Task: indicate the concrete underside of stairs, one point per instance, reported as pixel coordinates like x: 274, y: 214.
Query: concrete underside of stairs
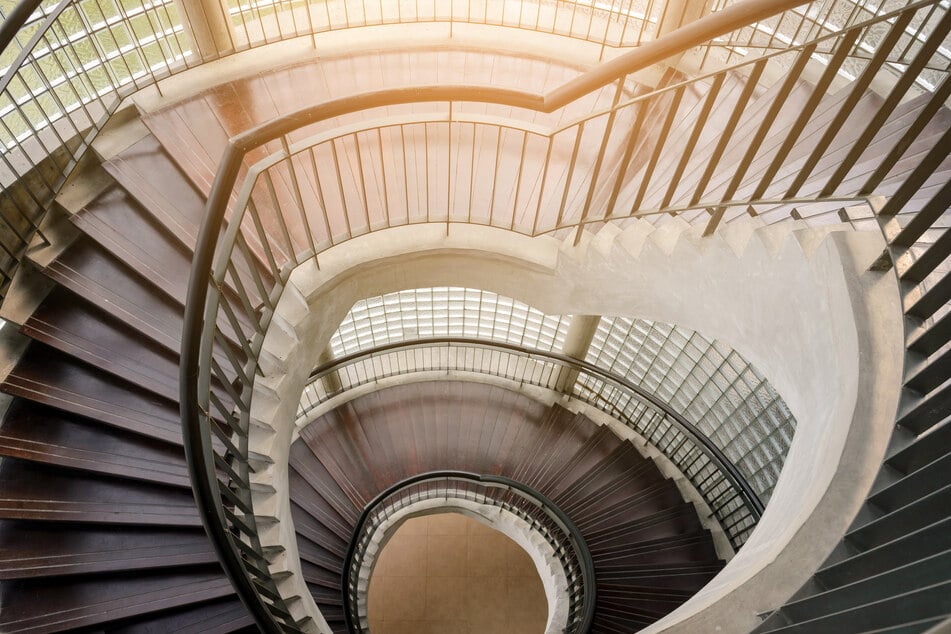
x: 798, y: 303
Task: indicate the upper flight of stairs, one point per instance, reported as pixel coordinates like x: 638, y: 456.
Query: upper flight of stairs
x: 98, y: 528
x: 649, y: 550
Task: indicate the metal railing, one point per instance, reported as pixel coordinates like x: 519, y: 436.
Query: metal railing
x: 541, y: 515
x: 918, y: 253
x: 74, y: 64
x: 67, y: 66
x: 289, y: 208
x: 548, y: 176
x: 723, y: 486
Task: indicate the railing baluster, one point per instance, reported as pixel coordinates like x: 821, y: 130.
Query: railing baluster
x: 905, y: 81
x: 857, y: 90
x: 658, y: 148
x: 843, y: 48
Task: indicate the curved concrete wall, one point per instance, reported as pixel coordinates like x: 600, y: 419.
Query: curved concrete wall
x: 796, y: 302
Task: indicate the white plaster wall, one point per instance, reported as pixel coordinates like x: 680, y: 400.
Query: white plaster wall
x: 792, y: 301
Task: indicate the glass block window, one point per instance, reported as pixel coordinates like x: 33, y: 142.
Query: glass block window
x: 446, y: 312
x: 708, y: 383
x: 94, y: 50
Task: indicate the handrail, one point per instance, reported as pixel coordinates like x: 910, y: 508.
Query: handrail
x: 210, y: 268
x: 196, y: 427
x: 547, y: 505
x: 642, y: 57
x: 15, y: 21
x: 708, y: 446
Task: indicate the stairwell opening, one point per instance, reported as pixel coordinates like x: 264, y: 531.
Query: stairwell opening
x: 448, y: 573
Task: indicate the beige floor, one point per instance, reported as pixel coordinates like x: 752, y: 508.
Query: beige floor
x: 448, y: 574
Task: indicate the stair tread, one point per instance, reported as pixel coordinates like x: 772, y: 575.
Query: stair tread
x: 43, y: 550
x: 150, y: 175
x: 44, y: 434
x: 91, y: 602
x: 221, y: 616
x: 644, y: 538
x: 91, y: 272
x: 44, y: 376
x: 33, y: 491
x: 75, y: 327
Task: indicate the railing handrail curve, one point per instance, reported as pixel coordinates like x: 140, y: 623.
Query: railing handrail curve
x: 707, y: 445
x: 561, y: 518
x: 196, y: 430
x: 15, y: 21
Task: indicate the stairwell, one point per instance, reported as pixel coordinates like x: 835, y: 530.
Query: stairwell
x: 98, y: 527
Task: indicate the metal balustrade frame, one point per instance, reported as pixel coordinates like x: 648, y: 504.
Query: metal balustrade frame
x: 723, y: 486
x: 538, y: 511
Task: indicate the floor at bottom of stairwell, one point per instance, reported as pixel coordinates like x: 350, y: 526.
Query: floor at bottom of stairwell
x: 448, y: 574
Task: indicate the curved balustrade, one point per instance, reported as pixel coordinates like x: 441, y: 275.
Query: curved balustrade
x: 723, y: 486
x: 543, y: 175
x: 236, y: 280
x: 541, y: 515
x: 68, y: 66
x: 70, y: 70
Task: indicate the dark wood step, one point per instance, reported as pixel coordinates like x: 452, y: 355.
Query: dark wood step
x: 303, y: 464
x: 918, y: 514
x: 308, y: 501
x: 119, y: 224
x: 645, y: 510
x: 316, y: 575
x: 679, y: 548
x: 40, y: 492
x: 148, y: 173
x: 93, y: 273
x: 219, y: 616
x: 44, y: 549
x: 635, y: 521
x: 318, y: 556
x: 586, y: 457
x: 912, y: 546
x: 39, y: 433
x: 45, y: 376
x: 43, y: 606
x: 67, y: 323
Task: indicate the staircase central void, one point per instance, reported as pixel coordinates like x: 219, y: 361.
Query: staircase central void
x: 649, y: 549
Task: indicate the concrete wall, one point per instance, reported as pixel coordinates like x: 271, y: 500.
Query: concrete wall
x: 795, y: 302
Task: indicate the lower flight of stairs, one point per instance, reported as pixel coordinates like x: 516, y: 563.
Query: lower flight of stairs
x: 649, y: 549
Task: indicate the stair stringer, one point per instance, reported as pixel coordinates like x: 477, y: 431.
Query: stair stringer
x: 811, y: 298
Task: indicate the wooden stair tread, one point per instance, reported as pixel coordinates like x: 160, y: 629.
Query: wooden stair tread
x: 44, y: 434
x: 45, y: 376
x: 39, y: 549
x: 27, y: 605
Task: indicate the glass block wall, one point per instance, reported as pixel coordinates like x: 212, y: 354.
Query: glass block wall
x: 446, y: 312
x: 708, y: 383
x: 93, y: 49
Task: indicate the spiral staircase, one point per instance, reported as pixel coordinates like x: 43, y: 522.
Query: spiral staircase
x: 109, y: 349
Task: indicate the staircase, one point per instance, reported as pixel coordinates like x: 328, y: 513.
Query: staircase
x: 649, y: 550
x: 98, y: 527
